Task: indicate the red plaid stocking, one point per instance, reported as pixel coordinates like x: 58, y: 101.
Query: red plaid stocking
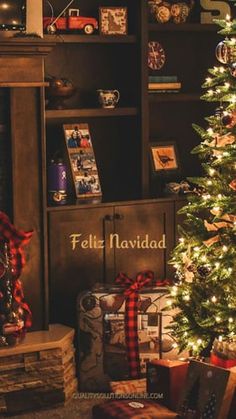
x: 131, y: 316
x: 15, y: 240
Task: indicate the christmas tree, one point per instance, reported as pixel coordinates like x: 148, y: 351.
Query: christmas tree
x: 204, y: 292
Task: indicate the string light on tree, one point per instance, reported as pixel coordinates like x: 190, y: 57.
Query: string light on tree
x: 205, y: 255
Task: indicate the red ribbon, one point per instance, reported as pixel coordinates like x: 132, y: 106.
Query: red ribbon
x: 133, y: 286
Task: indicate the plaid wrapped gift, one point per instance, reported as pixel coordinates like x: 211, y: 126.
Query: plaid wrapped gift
x: 124, y: 409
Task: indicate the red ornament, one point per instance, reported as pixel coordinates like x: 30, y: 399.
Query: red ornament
x: 229, y: 120
x: 232, y: 185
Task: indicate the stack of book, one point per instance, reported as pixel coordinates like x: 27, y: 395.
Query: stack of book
x: 163, y: 84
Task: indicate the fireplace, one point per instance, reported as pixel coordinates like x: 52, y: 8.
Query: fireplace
x: 101, y: 338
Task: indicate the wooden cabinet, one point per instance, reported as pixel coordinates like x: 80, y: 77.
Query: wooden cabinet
x: 108, y: 239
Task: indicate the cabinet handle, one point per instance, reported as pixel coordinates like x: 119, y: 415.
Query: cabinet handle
x: 108, y: 217
x: 119, y: 216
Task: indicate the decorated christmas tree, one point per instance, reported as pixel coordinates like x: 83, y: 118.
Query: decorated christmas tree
x: 204, y: 292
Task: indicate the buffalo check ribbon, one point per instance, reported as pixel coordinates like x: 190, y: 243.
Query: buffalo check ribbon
x: 131, y: 293
x: 15, y: 240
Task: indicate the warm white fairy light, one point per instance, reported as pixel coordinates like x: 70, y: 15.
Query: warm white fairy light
x: 227, y: 85
x: 205, y: 197
x: 218, y: 91
x: 181, y: 240
x: 185, y: 334
x: 208, y: 80
x: 219, y: 196
x: 209, y: 182
x: 212, y: 172
x: 199, y: 341
x: 230, y: 270
x: 222, y: 70
x: 174, y: 345
x: 169, y: 303
x: 217, y: 265
x: 186, y: 297
x: 210, y: 132
x: 214, y: 299
x: 196, y: 249
x: 230, y: 319
x: 203, y: 258
x: 174, y: 291
x: 225, y: 248
x: 233, y: 99
x: 220, y: 339
x: 210, y: 92
x: 218, y: 319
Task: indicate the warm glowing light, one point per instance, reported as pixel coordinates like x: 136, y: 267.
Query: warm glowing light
x: 224, y: 248
x: 217, y: 265
x: 212, y: 172
x: 214, y: 299
x: 199, y: 341
x: 186, y: 297
x: 218, y: 319
x: 231, y: 319
x: 227, y: 85
x: 5, y: 6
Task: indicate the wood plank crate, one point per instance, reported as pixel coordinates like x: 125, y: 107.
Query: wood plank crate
x: 39, y: 372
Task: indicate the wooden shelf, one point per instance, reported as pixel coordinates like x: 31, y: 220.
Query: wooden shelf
x: 185, y: 27
x: 91, y: 39
x: 174, y: 97
x: 53, y: 114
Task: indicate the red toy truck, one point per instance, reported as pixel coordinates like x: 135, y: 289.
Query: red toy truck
x: 71, y: 22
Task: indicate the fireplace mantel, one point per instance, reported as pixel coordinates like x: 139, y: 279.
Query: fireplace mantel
x: 22, y: 74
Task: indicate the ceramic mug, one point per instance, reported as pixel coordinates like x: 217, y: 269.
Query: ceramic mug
x: 108, y: 98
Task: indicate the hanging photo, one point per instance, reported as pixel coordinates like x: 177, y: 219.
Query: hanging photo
x: 82, y: 160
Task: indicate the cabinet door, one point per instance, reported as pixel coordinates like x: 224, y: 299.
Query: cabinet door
x: 77, y: 266
x: 148, y: 224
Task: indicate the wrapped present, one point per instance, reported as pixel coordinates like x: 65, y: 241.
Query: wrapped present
x: 223, y: 353
x: 208, y: 392
x: 135, y: 409
x: 221, y: 362
x: 167, y: 378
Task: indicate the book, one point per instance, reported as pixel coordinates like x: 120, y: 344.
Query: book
x: 165, y: 86
x: 162, y: 79
x: 164, y: 91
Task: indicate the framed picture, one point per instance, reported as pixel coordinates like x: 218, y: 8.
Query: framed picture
x: 164, y: 157
x: 82, y: 160
x: 113, y: 20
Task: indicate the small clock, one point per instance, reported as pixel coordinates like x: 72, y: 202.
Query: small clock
x: 156, y: 55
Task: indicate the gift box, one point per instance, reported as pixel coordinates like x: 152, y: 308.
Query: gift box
x: 167, y: 378
x: 208, y: 392
x: 221, y: 362
x: 136, y: 409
